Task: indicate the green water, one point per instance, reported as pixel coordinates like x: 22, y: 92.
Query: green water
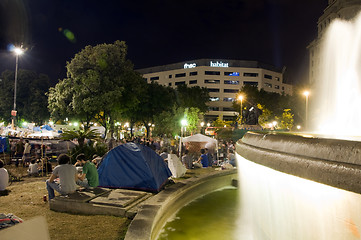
x: 212, y: 216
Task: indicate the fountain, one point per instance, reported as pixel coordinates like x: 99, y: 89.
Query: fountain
x: 292, y: 186
x: 338, y: 92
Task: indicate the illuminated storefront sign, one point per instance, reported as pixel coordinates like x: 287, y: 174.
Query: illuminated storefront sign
x: 218, y: 64
x: 190, y: 65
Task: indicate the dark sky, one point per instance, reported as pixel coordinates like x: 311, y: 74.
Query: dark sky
x: 160, y: 32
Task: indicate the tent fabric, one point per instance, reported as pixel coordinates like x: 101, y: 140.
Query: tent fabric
x: 133, y: 166
x: 47, y: 127
x: 176, y: 166
x: 199, y: 138
x: 3, y: 144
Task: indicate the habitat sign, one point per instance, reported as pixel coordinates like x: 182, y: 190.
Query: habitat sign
x: 218, y: 64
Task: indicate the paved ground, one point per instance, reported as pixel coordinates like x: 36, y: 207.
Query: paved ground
x: 118, y: 202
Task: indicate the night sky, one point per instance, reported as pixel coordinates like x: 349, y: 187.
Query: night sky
x: 160, y: 32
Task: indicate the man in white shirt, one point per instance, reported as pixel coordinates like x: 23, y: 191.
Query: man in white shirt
x: 4, y: 176
x: 67, y: 177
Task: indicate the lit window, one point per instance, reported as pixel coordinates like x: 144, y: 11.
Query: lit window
x: 231, y: 73
x: 231, y: 82
x: 214, y: 99
x: 212, y: 81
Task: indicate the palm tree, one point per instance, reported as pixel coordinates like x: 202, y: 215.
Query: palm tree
x: 81, y: 135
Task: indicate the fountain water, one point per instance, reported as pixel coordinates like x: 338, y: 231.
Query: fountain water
x: 338, y: 90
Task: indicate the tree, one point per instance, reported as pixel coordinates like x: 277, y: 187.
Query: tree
x: 195, y: 97
x: 192, y: 115
x: 266, y: 115
x: 81, y: 135
x: 31, y: 101
x: 155, y: 99
x: 287, y: 119
x: 101, y: 84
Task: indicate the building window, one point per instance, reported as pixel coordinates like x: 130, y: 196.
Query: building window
x: 250, y: 83
x: 170, y: 84
x: 212, y: 73
x: 214, y: 99
x: 277, y: 87
x: 267, y: 76
x: 250, y: 74
x: 268, y: 85
x: 277, y: 78
x: 231, y: 73
x: 213, y: 108
x: 170, y: 76
x: 193, y: 82
x: 231, y: 82
x: 226, y: 109
x: 228, y: 99
x: 178, y: 75
x: 283, y: 88
x: 212, y: 81
x: 213, y: 89
x: 180, y: 83
x: 230, y: 90
x: 193, y: 73
x: 154, y: 78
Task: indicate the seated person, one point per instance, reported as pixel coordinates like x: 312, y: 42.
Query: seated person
x: 89, y: 176
x: 33, y: 168
x: 187, y: 160
x: 4, y: 177
x: 67, y: 177
x: 203, y: 159
x: 47, y: 168
x: 231, y: 158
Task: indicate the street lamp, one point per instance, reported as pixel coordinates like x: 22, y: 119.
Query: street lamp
x: 306, y: 93
x: 240, y: 98
x: 18, y: 52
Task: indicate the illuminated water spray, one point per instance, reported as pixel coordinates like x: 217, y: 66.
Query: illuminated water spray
x: 337, y: 109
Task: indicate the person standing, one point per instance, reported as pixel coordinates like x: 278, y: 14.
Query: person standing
x: 4, y: 177
x: 27, y: 149
x: 89, y: 176
x: 67, y: 177
x: 19, y: 151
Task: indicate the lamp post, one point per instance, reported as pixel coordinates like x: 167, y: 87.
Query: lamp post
x: 306, y: 93
x: 17, y: 51
x: 184, y: 123
x: 240, y: 98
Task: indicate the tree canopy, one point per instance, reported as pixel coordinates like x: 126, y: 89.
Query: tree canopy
x: 101, y: 84
x: 31, y: 101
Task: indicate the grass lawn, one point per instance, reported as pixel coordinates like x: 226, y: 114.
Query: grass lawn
x: 25, y: 200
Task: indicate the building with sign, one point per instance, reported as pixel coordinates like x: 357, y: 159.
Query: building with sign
x: 222, y: 78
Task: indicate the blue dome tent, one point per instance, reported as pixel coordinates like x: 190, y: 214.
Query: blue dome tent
x: 133, y: 166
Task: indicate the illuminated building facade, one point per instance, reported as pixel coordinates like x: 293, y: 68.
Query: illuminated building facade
x: 222, y: 78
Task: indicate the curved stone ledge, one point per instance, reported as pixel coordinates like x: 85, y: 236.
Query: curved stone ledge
x: 300, y: 156
x: 322, y: 148
x: 154, y: 213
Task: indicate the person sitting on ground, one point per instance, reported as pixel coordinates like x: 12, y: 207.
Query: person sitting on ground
x: 203, y: 159
x: 164, y: 153
x: 67, y: 177
x: 96, y: 160
x: 187, y: 160
x: 33, y: 168
x: 231, y: 158
x: 4, y: 177
x: 89, y: 176
x: 47, y: 168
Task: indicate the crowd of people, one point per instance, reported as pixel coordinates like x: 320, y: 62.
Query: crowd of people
x: 65, y: 178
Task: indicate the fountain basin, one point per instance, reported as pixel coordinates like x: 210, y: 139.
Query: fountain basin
x: 157, y: 210
x: 329, y: 161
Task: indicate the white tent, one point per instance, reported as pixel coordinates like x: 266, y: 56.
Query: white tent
x: 200, y: 138
x: 176, y: 166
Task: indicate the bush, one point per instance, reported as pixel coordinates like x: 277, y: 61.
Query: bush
x: 100, y: 149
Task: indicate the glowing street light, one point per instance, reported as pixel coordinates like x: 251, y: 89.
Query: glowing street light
x: 18, y: 52
x: 306, y: 94
x: 240, y: 98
